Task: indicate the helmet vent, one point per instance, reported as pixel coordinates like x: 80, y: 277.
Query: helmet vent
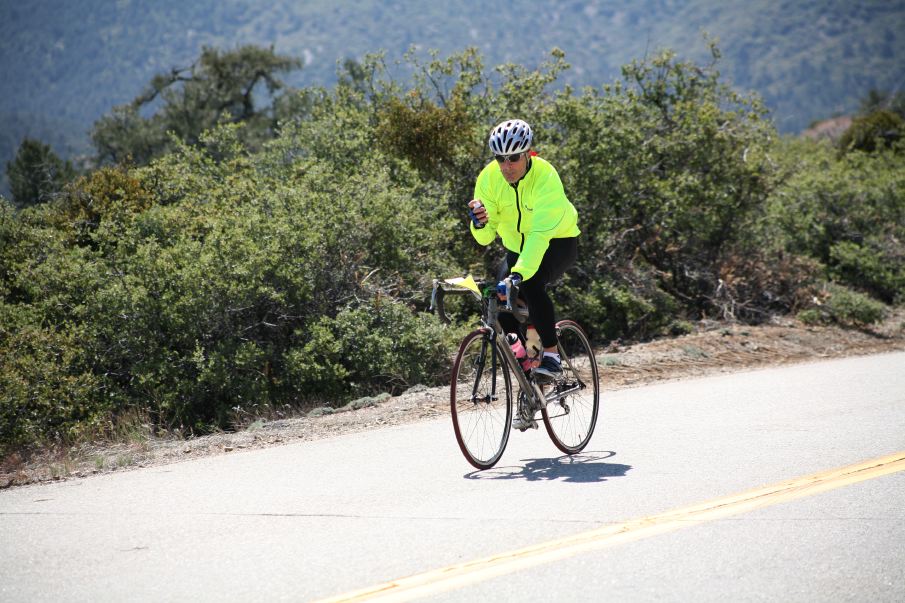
x: 510, y: 137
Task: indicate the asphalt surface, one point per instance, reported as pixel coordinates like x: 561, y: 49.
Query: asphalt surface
x: 312, y: 520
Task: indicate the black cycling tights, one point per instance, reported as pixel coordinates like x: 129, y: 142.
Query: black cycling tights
x: 559, y: 257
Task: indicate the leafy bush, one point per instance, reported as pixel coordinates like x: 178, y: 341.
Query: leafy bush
x: 612, y: 311
x: 667, y: 170
x: 848, y: 214
x: 844, y: 307
x: 48, y: 394
x: 375, y: 347
x: 877, y: 130
x: 425, y: 134
x: 868, y: 268
x: 848, y: 307
x: 811, y: 316
x: 190, y: 283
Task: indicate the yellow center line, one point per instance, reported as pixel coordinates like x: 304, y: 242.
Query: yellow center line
x: 456, y: 576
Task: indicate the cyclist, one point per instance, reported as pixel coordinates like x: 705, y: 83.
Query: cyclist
x: 520, y: 197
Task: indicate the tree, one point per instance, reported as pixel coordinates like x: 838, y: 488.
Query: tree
x: 218, y: 87
x: 37, y: 173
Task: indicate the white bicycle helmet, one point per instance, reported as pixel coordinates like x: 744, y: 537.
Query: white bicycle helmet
x: 510, y: 137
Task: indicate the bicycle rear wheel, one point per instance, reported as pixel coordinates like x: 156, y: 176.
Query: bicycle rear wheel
x: 481, y: 400
x: 571, y: 418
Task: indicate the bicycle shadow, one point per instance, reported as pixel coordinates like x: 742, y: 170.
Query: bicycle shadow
x: 579, y: 468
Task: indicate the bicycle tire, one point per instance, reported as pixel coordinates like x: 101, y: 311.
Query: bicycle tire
x: 481, y: 413
x: 570, y: 421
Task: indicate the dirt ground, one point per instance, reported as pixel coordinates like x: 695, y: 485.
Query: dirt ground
x: 713, y: 348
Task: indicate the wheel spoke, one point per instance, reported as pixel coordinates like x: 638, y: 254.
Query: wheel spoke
x: 578, y: 391
x: 481, y: 401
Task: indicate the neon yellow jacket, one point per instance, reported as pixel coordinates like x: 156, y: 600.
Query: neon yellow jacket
x: 526, y: 216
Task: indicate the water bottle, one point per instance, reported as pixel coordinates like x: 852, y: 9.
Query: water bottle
x: 517, y: 348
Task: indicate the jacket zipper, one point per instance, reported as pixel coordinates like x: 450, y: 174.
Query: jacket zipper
x: 518, y: 224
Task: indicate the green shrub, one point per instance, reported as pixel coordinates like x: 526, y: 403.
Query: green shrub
x: 877, y: 130
x: 668, y: 169
x: 680, y: 327
x: 611, y: 311
x: 868, y: 268
x: 850, y: 308
x: 376, y: 347
x: 112, y: 195
x: 844, y: 307
x: 812, y: 317
x: 10, y: 229
x: 48, y: 392
x: 848, y: 214
x: 425, y: 134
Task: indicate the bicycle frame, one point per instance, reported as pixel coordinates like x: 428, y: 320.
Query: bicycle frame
x: 484, y: 400
x: 490, y: 322
x: 512, y: 363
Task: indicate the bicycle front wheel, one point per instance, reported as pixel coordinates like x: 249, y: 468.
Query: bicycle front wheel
x: 571, y: 416
x: 481, y: 400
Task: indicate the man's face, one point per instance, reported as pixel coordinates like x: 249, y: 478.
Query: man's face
x: 514, y: 171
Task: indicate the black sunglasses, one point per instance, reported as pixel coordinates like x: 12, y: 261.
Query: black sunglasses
x: 511, y: 158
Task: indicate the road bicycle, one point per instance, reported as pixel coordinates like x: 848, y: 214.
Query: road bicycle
x: 482, y: 397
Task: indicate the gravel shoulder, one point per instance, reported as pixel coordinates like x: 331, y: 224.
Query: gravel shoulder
x: 713, y: 348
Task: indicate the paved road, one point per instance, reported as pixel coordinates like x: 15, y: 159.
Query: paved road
x: 311, y: 520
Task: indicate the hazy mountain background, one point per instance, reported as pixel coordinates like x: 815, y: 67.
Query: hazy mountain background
x: 65, y: 64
